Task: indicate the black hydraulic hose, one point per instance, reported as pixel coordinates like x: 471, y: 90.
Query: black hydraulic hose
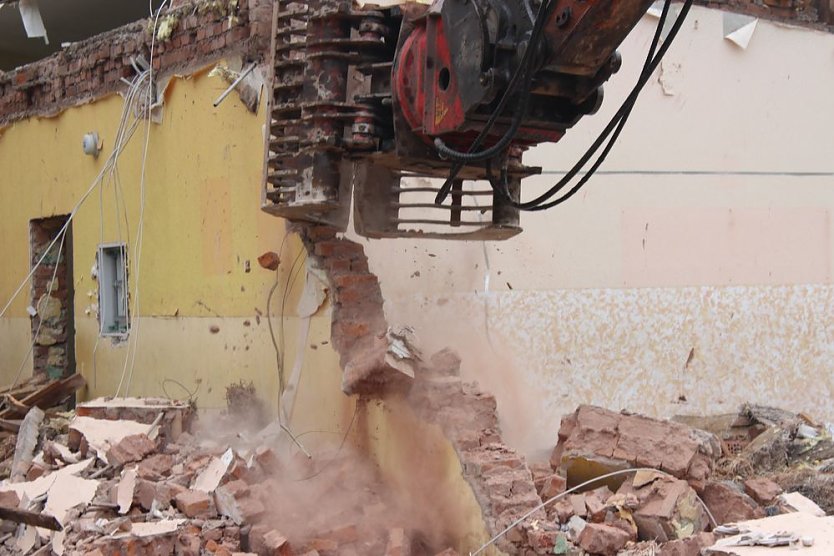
x: 537, y: 203
x: 526, y: 61
x: 612, y: 141
x: 502, y: 143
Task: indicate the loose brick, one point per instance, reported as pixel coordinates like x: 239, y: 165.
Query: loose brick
x: 194, y: 503
x: 602, y: 539
x: 131, y: 448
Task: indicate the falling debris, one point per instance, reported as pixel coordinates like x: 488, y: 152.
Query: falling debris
x: 32, y: 20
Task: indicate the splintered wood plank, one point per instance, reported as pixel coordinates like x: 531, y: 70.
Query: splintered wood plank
x: 30, y: 518
x: 47, y: 396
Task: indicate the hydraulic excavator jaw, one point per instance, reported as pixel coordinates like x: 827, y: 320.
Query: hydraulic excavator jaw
x: 371, y: 103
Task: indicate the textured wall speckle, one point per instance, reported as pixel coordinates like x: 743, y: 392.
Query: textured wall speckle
x: 547, y: 351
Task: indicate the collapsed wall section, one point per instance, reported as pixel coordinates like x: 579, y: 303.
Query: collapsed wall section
x: 498, y: 476
x: 188, y: 37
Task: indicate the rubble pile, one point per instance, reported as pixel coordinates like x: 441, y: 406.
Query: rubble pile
x: 125, y: 476
x: 677, y: 494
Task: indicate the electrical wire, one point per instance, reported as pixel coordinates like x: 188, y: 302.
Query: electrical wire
x: 192, y: 394
x: 140, y: 232
x: 333, y: 460
x: 290, y: 284
x: 579, y: 487
x: 279, y: 351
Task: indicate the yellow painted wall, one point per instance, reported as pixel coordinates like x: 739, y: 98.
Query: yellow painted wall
x: 201, y: 321
x: 423, y: 473
x: 202, y: 225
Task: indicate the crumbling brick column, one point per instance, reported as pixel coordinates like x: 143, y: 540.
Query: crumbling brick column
x: 53, y: 329
x: 358, y: 329
x: 499, y: 477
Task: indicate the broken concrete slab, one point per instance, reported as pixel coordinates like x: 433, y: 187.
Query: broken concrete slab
x: 125, y: 490
x: 796, y: 502
x: 209, y: 478
x: 27, y: 438
x: 68, y: 492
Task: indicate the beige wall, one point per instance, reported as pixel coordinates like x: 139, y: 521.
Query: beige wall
x: 700, y: 233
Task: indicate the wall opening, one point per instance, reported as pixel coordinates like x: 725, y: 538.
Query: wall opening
x: 53, y: 322
x: 112, y: 290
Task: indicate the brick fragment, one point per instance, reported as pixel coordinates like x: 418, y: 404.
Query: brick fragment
x: 597, y: 538
x: 269, y: 260
x: 399, y: 543
x: 194, y: 503
x: 155, y: 467
x: 552, y: 485
x: 9, y: 499
x: 728, y: 504
x: 762, y: 490
x: 131, y: 448
x: 691, y: 546
x: 666, y: 508
x: 188, y: 542
x: 269, y: 543
x: 233, y: 501
x: 267, y: 459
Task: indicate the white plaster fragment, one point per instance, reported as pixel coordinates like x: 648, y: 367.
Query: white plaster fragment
x: 209, y: 478
x: 125, y: 490
x: 739, y: 29
x: 32, y: 21
x: 101, y: 434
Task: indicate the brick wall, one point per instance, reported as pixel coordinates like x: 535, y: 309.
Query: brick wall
x: 358, y: 327
x: 499, y: 476
x: 202, y: 32
x: 816, y: 14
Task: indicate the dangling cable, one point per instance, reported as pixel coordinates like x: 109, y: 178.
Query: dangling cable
x: 617, y: 121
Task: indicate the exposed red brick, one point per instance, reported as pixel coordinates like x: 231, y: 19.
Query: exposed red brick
x: 602, y: 539
x: 611, y: 441
x: 194, y: 503
x: 269, y: 542
x: 762, y: 490
x: 552, y: 485
x: 729, y: 504
x: 155, y: 467
x: 130, y: 448
x: 93, y: 68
